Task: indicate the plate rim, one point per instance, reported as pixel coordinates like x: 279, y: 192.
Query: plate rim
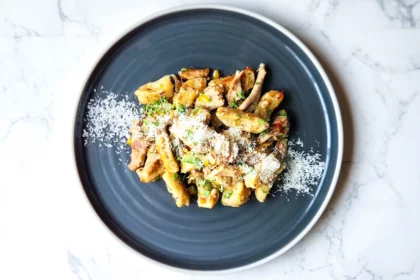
x: 108, y: 45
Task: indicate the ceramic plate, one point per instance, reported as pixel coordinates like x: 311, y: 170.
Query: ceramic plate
x: 144, y: 216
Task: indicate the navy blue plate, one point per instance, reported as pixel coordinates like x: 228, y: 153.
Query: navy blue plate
x: 144, y: 216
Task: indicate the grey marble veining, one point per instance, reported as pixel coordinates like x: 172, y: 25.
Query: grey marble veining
x: 371, y: 228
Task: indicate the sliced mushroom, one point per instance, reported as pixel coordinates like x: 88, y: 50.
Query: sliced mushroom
x: 251, y: 101
x: 235, y: 89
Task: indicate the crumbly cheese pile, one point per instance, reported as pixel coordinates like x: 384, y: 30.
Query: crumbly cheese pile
x: 108, y: 120
x: 303, y: 171
x: 201, y: 137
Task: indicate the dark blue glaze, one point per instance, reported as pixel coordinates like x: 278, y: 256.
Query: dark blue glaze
x: 144, y: 215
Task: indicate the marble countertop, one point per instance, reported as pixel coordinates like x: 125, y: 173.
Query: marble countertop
x: 371, y: 229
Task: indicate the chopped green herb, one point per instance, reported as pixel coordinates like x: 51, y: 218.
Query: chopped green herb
x: 193, y: 159
x: 262, y: 122
x: 222, y: 188
x: 181, y: 109
x: 184, y: 69
x: 283, y: 113
x: 175, y: 176
x: 239, y: 116
x: 206, y: 192
x: 233, y: 104
x: 265, y: 191
x: 258, y: 83
x: 228, y: 194
x: 241, y: 95
x: 189, y: 134
x: 270, y: 111
x: 195, y: 110
x: 156, y: 123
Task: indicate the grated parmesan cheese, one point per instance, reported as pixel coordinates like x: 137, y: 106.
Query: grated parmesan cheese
x: 108, y: 121
x: 303, y: 170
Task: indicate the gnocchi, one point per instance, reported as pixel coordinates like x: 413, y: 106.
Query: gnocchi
x: 214, y: 140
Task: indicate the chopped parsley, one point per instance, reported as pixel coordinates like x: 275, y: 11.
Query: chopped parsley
x: 184, y: 69
x: 283, y: 113
x: 175, y: 176
x: 159, y: 106
x: 233, y: 104
x: 228, y: 194
x: 195, y: 111
x: 239, y: 116
x: 207, y: 186
x: 189, y: 134
x: 241, y: 95
x: 193, y: 159
x: 262, y: 122
x: 258, y: 83
x: 181, y: 109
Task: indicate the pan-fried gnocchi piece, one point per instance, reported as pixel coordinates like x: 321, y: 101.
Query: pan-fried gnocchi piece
x: 211, y: 98
x: 247, y: 79
x: 236, y: 195
x: 153, y: 91
x: 268, y: 102
x: 224, y: 82
x: 176, y: 188
x: 163, y: 146
x: 245, y: 121
x: 189, y: 73
x: 262, y: 192
x: 153, y: 167
x: 189, y: 92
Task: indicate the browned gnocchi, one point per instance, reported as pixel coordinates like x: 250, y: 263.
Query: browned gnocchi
x: 210, y: 137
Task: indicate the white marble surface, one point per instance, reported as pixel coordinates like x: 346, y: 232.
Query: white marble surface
x: 371, y: 229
